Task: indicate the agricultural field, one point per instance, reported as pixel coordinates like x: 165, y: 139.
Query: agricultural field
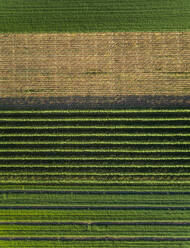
x: 97, y: 178
x: 100, y: 66
x: 94, y: 124
x: 19, y: 16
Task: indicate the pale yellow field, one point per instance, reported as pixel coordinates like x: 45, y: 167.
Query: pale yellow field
x: 95, y: 64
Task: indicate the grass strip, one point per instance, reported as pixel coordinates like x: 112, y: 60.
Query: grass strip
x: 95, y: 119
x: 94, y: 142
x: 98, y: 134
x: 97, y: 127
x: 93, y: 166
x: 96, y: 111
x: 93, y: 158
x: 44, y: 173
x: 96, y: 150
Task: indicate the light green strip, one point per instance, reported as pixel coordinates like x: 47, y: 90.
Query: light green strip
x: 148, y: 182
x: 98, y: 205
x: 93, y: 150
x: 93, y: 174
x: 93, y: 142
x: 97, y: 135
x: 92, y: 158
x: 96, y: 127
x: 96, y: 119
x: 92, y: 166
x: 96, y: 111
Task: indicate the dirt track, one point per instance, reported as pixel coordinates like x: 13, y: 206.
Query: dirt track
x: 95, y: 64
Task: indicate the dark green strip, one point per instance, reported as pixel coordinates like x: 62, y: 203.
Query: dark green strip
x: 18, y: 16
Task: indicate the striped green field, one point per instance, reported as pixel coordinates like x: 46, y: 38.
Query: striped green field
x: 95, y: 229
x: 85, y: 213
x: 93, y: 16
x: 106, y: 243
x: 116, y: 178
x: 82, y: 198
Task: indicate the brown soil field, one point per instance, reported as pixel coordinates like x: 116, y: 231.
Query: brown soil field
x: 95, y: 64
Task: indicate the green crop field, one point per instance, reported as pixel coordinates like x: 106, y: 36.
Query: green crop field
x: 94, y: 244
x: 95, y: 229
x: 19, y: 16
x: 116, y: 178
x: 54, y: 198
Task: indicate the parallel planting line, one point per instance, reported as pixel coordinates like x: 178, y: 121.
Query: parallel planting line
x: 97, y: 111
x: 96, y: 192
x: 101, y: 150
x: 95, y: 142
x: 96, y: 207
x: 43, y: 174
x: 99, y: 134
x: 110, y: 183
x: 93, y: 158
x: 100, y: 238
x: 151, y: 166
x: 94, y: 119
x: 131, y: 223
x: 178, y: 188
x: 97, y: 127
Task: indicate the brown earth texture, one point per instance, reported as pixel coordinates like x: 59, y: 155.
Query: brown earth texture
x: 95, y: 64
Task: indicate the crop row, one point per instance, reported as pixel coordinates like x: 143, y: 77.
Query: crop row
x: 145, y: 186
x: 92, y: 244
x: 99, y: 134
x: 56, y: 198
x: 96, y: 124
x: 112, y: 167
x: 115, y: 127
x: 87, y: 146
x: 96, y: 114
x: 94, y: 119
x: 108, y: 143
x: 94, y: 133
x: 96, y: 111
x: 92, y: 174
x: 112, y: 170
x: 85, y: 230
x: 46, y: 162
x: 95, y: 158
x: 136, y: 214
x: 93, y: 138
x: 101, y: 181
x: 102, y: 150
x: 97, y: 183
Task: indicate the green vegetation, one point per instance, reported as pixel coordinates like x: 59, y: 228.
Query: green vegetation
x: 94, y: 111
x: 93, y: 127
x: 19, y: 16
x: 90, y: 174
x: 163, y: 187
x: 102, y: 198
x: 100, y: 230
x: 140, y: 214
x: 92, y: 244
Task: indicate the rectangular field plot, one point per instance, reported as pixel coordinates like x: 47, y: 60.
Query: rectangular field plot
x: 115, y: 178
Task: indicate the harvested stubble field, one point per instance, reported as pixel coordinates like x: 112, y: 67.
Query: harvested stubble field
x: 111, y: 65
